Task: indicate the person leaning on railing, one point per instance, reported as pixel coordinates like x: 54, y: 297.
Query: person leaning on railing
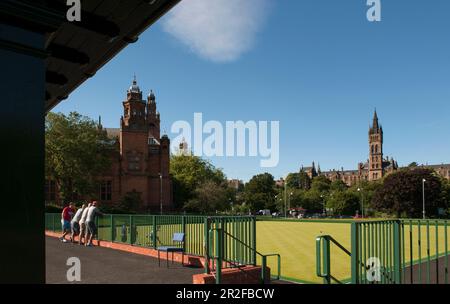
x: 91, y: 228
x: 82, y: 222
x: 74, y: 224
x: 66, y: 217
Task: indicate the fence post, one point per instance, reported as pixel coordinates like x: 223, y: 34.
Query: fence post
x: 263, y: 269
x: 131, y: 230
x: 327, y: 261
x: 355, y: 253
x: 219, y: 252
x: 112, y: 228
x: 183, y: 227
x: 397, y: 253
x: 154, y: 232
x: 254, y: 240
x: 206, y: 244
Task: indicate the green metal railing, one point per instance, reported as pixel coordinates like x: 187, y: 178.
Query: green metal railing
x: 323, y: 257
x: 157, y: 230
x: 391, y: 252
x: 218, y: 257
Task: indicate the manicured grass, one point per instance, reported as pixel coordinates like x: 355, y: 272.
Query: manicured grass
x: 295, y: 242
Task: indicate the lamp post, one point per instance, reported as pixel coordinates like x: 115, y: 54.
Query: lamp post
x: 362, y: 202
x: 323, y: 204
x: 423, y: 197
x: 160, y: 195
x: 285, y: 199
x: 289, y: 205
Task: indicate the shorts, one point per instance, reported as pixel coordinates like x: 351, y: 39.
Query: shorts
x: 75, y: 228
x: 91, y: 228
x: 65, y: 225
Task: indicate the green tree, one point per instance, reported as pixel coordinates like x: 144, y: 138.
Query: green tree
x: 401, y: 193
x: 338, y: 185
x: 188, y: 173
x: 320, y: 184
x: 76, y: 152
x: 209, y: 197
x: 293, y: 180
x: 343, y: 202
x: 130, y: 202
x: 312, y: 200
x: 304, y: 180
x: 259, y: 192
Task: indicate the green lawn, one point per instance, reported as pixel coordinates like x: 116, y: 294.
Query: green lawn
x: 295, y: 242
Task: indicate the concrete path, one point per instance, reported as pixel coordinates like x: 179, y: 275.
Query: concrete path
x: 104, y: 265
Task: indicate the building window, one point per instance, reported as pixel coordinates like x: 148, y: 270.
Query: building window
x: 106, y: 190
x: 50, y: 190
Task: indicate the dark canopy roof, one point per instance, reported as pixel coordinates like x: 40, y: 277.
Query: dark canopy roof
x: 74, y: 51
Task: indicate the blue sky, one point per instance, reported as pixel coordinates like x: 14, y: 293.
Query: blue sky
x: 318, y: 67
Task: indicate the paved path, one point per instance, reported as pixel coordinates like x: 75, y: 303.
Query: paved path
x: 104, y: 265
x: 437, y: 272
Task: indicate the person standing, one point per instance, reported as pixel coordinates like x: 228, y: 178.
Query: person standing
x: 82, y: 222
x: 74, y: 224
x: 91, y: 228
x: 66, y: 217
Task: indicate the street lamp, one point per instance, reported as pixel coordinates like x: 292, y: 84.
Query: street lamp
x: 362, y: 202
x: 289, y: 205
x: 285, y: 199
x: 323, y: 204
x: 423, y: 197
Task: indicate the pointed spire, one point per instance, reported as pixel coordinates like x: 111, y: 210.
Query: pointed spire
x: 375, y: 124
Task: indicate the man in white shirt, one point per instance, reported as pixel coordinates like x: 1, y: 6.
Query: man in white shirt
x: 74, y: 224
x: 91, y: 228
x: 82, y: 222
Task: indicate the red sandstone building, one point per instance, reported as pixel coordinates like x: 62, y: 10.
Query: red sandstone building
x: 141, y: 160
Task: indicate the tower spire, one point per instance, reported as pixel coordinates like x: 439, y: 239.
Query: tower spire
x: 375, y: 124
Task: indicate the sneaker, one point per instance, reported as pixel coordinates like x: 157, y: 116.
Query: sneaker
x: 61, y: 238
x: 64, y: 241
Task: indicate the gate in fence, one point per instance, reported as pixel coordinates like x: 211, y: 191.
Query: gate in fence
x: 390, y: 252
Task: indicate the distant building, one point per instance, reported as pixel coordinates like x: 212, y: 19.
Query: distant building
x: 183, y: 148
x: 375, y: 167
x: 279, y: 182
x: 235, y: 184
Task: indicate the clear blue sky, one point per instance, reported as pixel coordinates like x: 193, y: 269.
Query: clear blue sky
x: 318, y: 67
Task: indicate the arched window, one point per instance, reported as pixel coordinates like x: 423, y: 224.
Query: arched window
x: 376, y: 148
x: 372, y: 148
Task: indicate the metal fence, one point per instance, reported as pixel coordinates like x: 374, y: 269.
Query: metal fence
x: 152, y: 231
x: 391, y: 252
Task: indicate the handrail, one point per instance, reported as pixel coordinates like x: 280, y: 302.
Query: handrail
x: 220, y: 257
x: 325, y: 258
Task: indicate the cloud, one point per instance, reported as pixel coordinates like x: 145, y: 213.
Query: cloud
x: 217, y: 30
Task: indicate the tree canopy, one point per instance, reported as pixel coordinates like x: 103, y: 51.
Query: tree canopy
x: 198, y: 186
x: 259, y: 192
x: 76, y: 152
x: 401, y: 193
